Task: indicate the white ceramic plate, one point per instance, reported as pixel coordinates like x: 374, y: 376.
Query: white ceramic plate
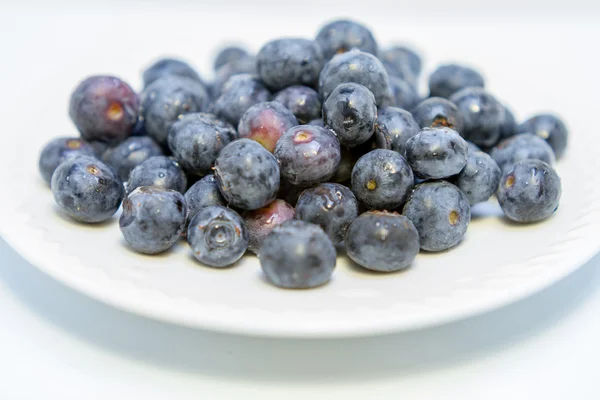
x: 497, y: 263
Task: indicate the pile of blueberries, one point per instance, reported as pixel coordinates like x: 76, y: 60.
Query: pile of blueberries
x: 307, y: 148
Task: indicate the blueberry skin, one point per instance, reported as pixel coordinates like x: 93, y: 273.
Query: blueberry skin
x: 158, y: 171
x: 153, y: 218
x: 202, y: 194
x: 262, y: 221
x: 402, y: 63
x: 479, y: 179
x: 331, y: 206
x: 308, y: 155
x: 393, y: 128
x: 436, y: 153
x: 169, y: 67
x: 524, y: 146
x: 344, y: 170
x: 266, y: 122
x: 131, y: 153
x: 382, y: 179
x: 86, y: 189
x: 239, y: 93
x: 358, y: 67
x: 509, y: 126
x: 449, y: 79
x: 165, y: 99
x: 218, y: 236
x: 441, y: 213
x: 286, y: 62
x: 550, y: 128
x: 343, y: 35
x: 482, y: 114
x: 104, y: 108
x: 224, y: 127
x: 436, y: 112
x: 382, y: 241
x: 402, y: 94
x: 59, y: 150
x: 195, y: 142
x: 246, y: 65
x: 317, y: 122
x: 530, y: 191
x: 302, y: 101
x: 228, y: 54
x: 297, y: 255
x: 248, y: 175
x: 350, y: 111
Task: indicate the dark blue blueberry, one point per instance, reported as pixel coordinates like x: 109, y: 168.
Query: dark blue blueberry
x: 303, y: 101
x: 165, y: 99
x: 524, y: 146
x: 308, y: 155
x: 402, y: 62
x: 479, y: 179
x: 239, y: 93
x: 402, y: 94
x: 169, y: 67
x: 158, y: 171
x: 286, y: 62
x: 509, y: 126
x: 104, y: 108
x: 248, y: 174
x: 343, y: 35
x: 331, y: 206
x: 130, y: 153
x: 297, y: 255
x: 529, y: 191
x: 224, y: 127
x: 382, y: 179
x: 393, y: 128
x: 86, y: 189
x: 217, y: 236
x: 139, y: 129
x: 203, y: 193
x: 228, y: 54
x: 550, y: 128
x: 266, y: 122
x: 196, y: 141
x: 350, y: 111
x: 482, y: 115
x: 262, y: 221
x: 59, y: 150
x: 449, y: 79
x: 317, y: 122
x: 436, y: 112
x: 358, y: 67
x: 246, y: 65
x: 472, y: 147
x: 382, y: 241
x: 436, y: 153
x: 441, y: 213
x: 153, y: 219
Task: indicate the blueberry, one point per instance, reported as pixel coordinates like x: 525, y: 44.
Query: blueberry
x: 165, y: 99
x: 449, y: 79
x: 308, y: 155
x: 139, y: 129
x: 436, y: 153
x: 382, y: 179
x: 59, y: 150
x: 303, y: 101
x: 86, y: 189
x: 158, y: 171
x: 317, y: 122
x: 350, y: 111
x: 246, y: 65
x: 382, y: 241
x: 472, y: 147
x: 509, y: 126
x: 529, y: 191
x: 344, y: 169
x: 550, y: 128
x: 153, y: 218
x: 225, y: 128
x: 358, y: 67
x: 343, y: 35
x: 266, y: 122
x: 393, y: 128
x: 402, y: 62
x: 203, y: 193
x: 441, y: 213
x: 104, y: 108
x: 239, y: 93
x: 262, y: 221
x: 437, y: 112
x: 482, y: 115
x: 297, y: 255
x: 196, y: 141
x: 402, y: 94
x: 169, y: 67
x: 248, y: 174
x: 130, y: 153
x: 331, y: 206
x: 524, y: 146
x: 286, y: 62
x: 480, y: 178
x: 217, y: 236
x: 228, y: 54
